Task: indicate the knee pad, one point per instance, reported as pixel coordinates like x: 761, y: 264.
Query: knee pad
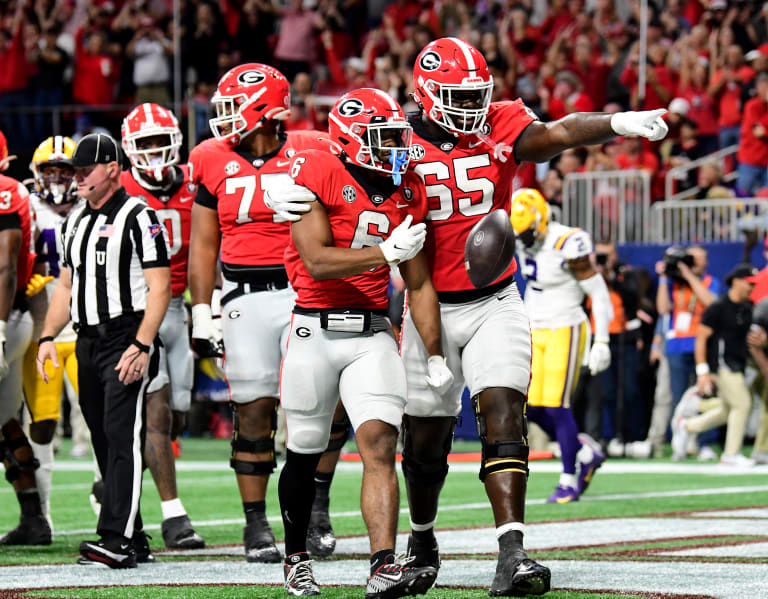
x: 509, y: 456
x: 339, y: 434
x: 14, y: 467
x: 423, y: 472
x: 253, y: 445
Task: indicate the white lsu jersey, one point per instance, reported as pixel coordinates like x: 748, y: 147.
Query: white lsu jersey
x: 553, y: 296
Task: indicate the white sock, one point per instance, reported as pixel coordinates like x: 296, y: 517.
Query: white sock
x: 43, y: 475
x: 422, y: 527
x: 505, y: 528
x: 172, y: 508
x: 568, y: 480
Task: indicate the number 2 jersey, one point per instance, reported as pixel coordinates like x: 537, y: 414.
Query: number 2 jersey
x: 233, y: 181
x: 553, y: 296
x: 173, y: 205
x: 465, y: 179
x: 361, y: 214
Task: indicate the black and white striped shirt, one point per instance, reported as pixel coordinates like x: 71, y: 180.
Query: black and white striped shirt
x: 105, y: 251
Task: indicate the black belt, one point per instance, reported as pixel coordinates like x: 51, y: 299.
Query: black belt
x: 470, y: 295
x: 245, y: 288
x: 348, y: 320
x: 107, y: 328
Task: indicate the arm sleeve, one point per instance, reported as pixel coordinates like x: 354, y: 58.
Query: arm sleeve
x: 150, y: 239
x: 205, y: 197
x: 10, y: 220
x: 602, y: 309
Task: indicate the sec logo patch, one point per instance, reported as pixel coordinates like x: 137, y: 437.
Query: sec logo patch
x: 416, y: 152
x: 349, y: 194
x: 232, y: 167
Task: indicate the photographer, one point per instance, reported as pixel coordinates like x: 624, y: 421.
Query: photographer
x: 150, y: 49
x: 685, y: 290
x: 721, y: 357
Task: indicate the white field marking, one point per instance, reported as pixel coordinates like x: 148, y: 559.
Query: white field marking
x: 180, y: 481
x: 722, y: 580
x: 751, y: 550
x: 745, y: 513
x: 479, y: 505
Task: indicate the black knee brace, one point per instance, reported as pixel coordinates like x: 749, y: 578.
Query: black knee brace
x: 14, y: 468
x: 510, y: 456
x: 341, y: 428
x: 250, y: 445
x: 424, y: 472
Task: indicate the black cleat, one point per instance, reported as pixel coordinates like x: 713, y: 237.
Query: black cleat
x: 321, y: 541
x: 423, y: 552
x: 115, y: 553
x: 399, y: 579
x: 260, y: 542
x: 140, y: 543
x: 179, y: 534
x: 517, y: 575
x: 32, y: 530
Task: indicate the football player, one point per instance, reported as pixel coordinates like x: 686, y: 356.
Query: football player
x: 555, y: 261
x: 250, y: 154
x: 341, y: 342
x: 466, y: 150
x: 151, y: 139
x: 16, y: 266
x: 53, y: 196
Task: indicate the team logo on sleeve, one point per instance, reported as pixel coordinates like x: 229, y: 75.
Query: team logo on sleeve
x: 290, y: 152
x: 191, y: 188
x: 232, y: 167
x: 486, y: 130
x: 416, y: 152
x: 407, y: 194
x: 253, y: 77
x: 430, y: 61
x: 349, y: 194
x: 351, y: 107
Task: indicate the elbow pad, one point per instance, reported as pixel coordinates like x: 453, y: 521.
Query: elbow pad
x: 602, y: 309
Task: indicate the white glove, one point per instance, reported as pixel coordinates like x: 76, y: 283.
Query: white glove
x: 440, y: 377
x: 289, y: 200
x: 3, y: 361
x: 404, y: 243
x: 599, y: 357
x: 206, y: 336
x: 646, y: 123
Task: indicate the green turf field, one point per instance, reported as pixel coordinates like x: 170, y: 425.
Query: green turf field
x: 695, y: 522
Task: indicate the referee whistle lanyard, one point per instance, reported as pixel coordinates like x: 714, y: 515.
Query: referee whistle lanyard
x: 398, y: 159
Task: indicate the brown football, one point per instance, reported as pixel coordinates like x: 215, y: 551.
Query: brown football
x: 489, y: 249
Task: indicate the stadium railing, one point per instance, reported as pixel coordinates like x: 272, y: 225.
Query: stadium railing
x: 703, y: 221
x: 612, y: 205
x: 678, y: 175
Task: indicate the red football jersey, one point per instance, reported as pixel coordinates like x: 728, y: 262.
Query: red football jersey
x: 175, y: 213
x: 252, y: 234
x: 360, y: 215
x: 465, y: 180
x: 14, y: 197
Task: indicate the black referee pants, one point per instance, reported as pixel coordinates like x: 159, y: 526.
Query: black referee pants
x: 115, y: 414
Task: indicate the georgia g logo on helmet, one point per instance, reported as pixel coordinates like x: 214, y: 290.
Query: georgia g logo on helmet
x: 251, y: 77
x: 430, y: 61
x: 351, y: 107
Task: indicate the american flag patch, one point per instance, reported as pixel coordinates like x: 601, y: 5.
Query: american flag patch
x: 106, y: 230
x: 155, y: 230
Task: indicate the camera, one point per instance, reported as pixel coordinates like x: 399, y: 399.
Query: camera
x: 673, y: 256
x: 601, y: 259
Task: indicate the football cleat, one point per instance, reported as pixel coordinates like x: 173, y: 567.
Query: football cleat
x: 423, y: 553
x: 179, y: 534
x: 115, y: 553
x: 32, y: 530
x: 260, y: 542
x: 399, y: 579
x: 517, y: 575
x: 321, y: 541
x: 140, y: 543
x: 299, y: 579
x: 563, y: 494
x: 590, y: 458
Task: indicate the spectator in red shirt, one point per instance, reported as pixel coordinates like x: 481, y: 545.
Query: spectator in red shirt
x: 660, y: 81
x: 95, y: 71
x: 567, y: 97
x: 632, y: 155
x: 592, y: 69
x: 753, y: 147
x: 14, y: 72
x: 694, y: 87
x: 725, y: 85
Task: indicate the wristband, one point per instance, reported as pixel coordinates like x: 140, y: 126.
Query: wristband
x: 702, y: 368
x: 663, y: 280
x: 142, y: 348
x: 655, y: 346
x: 44, y: 340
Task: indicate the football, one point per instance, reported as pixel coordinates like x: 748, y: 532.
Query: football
x: 489, y: 249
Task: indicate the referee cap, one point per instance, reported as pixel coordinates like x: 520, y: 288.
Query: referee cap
x: 96, y: 148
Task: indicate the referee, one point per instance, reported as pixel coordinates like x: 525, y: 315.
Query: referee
x: 116, y: 288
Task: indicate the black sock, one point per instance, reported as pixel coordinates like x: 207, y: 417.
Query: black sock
x: 297, y: 493
x: 381, y: 557
x: 295, y: 558
x: 29, y: 500
x: 323, y: 482
x: 253, y: 510
x: 510, y: 541
x: 423, y: 535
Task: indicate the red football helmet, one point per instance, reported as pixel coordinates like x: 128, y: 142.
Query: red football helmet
x: 449, y: 73
x: 248, y: 95
x: 151, y: 139
x: 371, y: 128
